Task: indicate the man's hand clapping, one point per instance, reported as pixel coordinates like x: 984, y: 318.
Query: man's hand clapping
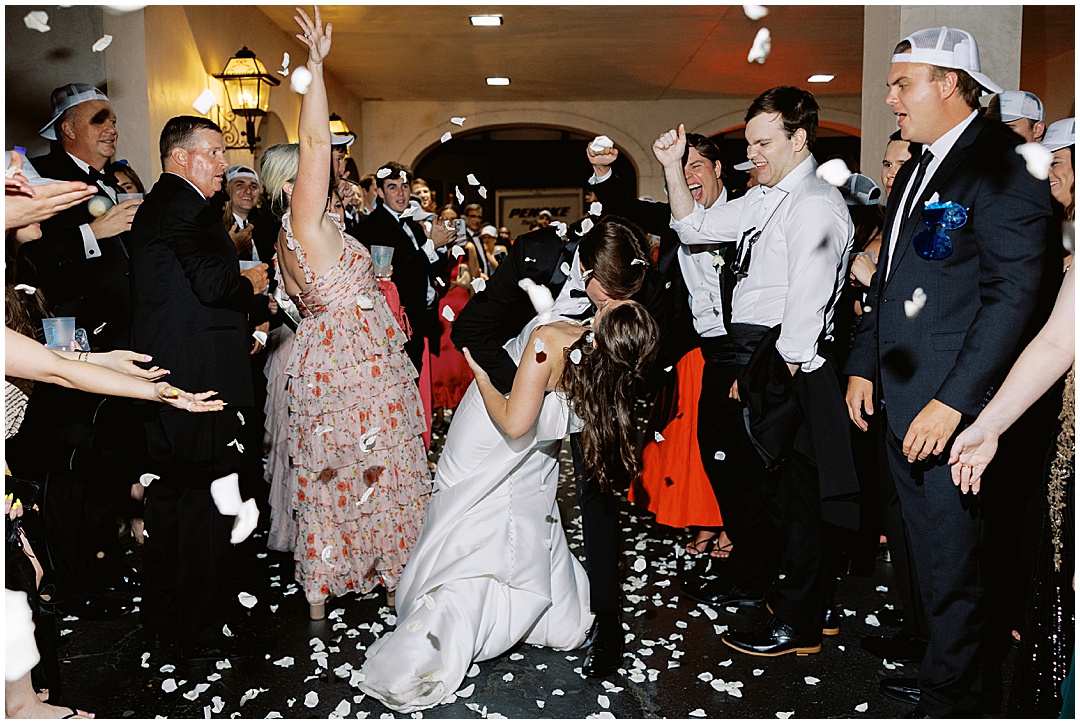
x: 443, y: 234
x: 258, y: 277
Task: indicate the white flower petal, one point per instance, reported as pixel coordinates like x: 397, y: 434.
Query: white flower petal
x: 1038, y: 159
x: 596, y: 208
x: 658, y: 437
x: 759, y: 52
x: 586, y: 224
x: 446, y: 137
x: 539, y: 295
x: 460, y: 196
x: 508, y: 677
x: 245, y: 522
x: 472, y: 180
x: 812, y: 681
x: 247, y: 600
x: 448, y: 313
x: 226, y: 494
x: 478, y: 284
x: 482, y: 191
x: 834, y: 171
x: 260, y: 336
x: 538, y: 345
x: 205, y: 102
x: 600, y: 143
x: 311, y: 700
x: 383, y: 173
x: 147, y: 478
x: 301, y: 79
x: 473, y: 670
x: 784, y: 714
x: 33, y: 290
x: 458, y: 120
x: 285, y: 662
x: 466, y: 692
x: 603, y: 701
x: 697, y: 713
x: 755, y: 12
x: 575, y: 356
x: 861, y: 708
x: 103, y: 42
x: 758, y: 672
x: 37, y: 20
x: 168, y: 686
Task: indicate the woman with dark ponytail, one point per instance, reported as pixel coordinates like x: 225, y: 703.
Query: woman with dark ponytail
x: 492, y: 566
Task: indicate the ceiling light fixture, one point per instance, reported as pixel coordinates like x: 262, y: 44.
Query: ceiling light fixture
x: 820, y: 78
x: 498, y: 81
x: 486, y: 21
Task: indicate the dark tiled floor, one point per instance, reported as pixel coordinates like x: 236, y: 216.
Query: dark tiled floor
x: 677, y: 642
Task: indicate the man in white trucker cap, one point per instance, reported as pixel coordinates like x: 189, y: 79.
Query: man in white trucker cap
x: 965, y: 234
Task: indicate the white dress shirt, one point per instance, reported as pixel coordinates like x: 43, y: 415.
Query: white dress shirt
x: 801, y: 257
x: 702, y: 278
x: 940, y: 148
x: 91, y: 250
x: 566, y: 305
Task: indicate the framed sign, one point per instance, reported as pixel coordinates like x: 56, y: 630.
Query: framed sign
x: 517, y: 209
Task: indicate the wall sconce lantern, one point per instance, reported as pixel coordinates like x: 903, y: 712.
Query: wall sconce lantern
x: 338, y: 127
x: 247, y: 85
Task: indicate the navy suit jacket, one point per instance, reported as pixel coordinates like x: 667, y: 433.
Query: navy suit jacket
x: 978, y: 300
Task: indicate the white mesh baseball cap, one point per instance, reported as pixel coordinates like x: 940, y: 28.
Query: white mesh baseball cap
x: 489, y: 230
x: 947, y: 48
x: 1060, y: 134
x: 860, y: 190
x: 68, y: 96
x: 241, y: 172
x: 346, y: 140
x: 1017, y: 104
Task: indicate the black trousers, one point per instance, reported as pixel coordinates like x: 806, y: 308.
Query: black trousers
x: 738, y: 476
x: 600, y: 532
x: 947, y: 534
x: 187, y: 553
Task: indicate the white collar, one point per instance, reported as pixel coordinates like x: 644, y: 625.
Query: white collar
x: 941, y: 147
x: 81, y: 164
x: 200, y: 193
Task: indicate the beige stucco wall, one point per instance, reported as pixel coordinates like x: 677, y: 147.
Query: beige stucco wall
x: 404, y: 131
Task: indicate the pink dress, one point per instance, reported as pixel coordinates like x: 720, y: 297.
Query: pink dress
x: 355, y: 432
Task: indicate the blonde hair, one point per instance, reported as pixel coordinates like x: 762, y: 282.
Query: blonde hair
x: 278, y: 166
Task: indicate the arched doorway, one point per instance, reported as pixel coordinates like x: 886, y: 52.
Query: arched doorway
x: 514, y: 157
x: 833, y: 139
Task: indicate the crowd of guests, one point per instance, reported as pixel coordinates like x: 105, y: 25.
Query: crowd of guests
x: 832, y: 375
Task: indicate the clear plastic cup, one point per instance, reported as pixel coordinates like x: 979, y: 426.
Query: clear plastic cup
x: 59, y: 332
x: 381, y: 257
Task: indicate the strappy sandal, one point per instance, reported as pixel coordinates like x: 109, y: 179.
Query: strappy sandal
x: 716, y: 550
x: 695, y: 547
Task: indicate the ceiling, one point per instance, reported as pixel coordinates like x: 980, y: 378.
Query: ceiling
x: 584, y: 53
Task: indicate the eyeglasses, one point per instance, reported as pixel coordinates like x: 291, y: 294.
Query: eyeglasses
x: 934, y: 243
x: 741, y: 265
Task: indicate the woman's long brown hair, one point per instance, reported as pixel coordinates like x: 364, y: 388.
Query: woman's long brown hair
x: 604, y: 387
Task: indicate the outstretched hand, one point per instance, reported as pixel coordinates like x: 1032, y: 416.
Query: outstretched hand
x: 669, y: 148
x: 315, y: 37
x: 191, y: 402
x: 972, y: 451
x: 123, y: 361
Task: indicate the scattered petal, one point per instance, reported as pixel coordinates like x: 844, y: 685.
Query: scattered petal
x: 205, y: 102
x: 247, y: 600
x: 835, y: 172
x: 586, y: 224
x: 539, y: 295
x: 639, y: 262
x: 367, y: 440
x: 557, y: 692
x: 33, y: 290
x: 448, y: 313
x: 458, y: 120
x: 473, y: 671
x: 365, y: 302
x: 37, y: 20
x: 403, y: 175
x: 565, y: 268
x: 245, y: 521
x: 540, y: 703
x: 472, y: 180
x: 226, y: 494
x: 697, y: 713
x: 596, y: 208
x: 466, y: 692
x: 478, y: 284
x: 383, y: 173
x: 575, y: 356
x: 260, y: 336
x: 456, y: 251
x: 146, y: 478
x: 285, y: 662
x: 812, y: 681
x: 784, y: 714
x: 1037, y: 158
x: 508, y: 677
x: 460, y: 196
x: 872, y: 620
x: 311, y: 700
x: 538, y: 345
x: 145, y: 659
x: 482, y: 191
x: 603, y: 701
x: 640, y: 564
x: 103, y: 42
x: 446, y: 137
x: 219, y: 704
x: 560, y: 228
x: 168, y: 686
x: 658, y: 437
x: 758, y: 672
x: 284, y: 65
x: 719, y: 455
x: 861, y: 708
x: 237, y: 444
x: 301, y: 79
x: 759, y: 52
x: 755, y: 12
x: 240, y: 417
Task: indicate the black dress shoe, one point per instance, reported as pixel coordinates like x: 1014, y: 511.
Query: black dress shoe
x: 775, y: 638
x: 93, y: 608
x: 891, y: 617
x: 605, y: 646
x: 722, y: 592
x: 125, y: 581
x: 901, y: 688
x: 902, y: 647
x: 832, y: 623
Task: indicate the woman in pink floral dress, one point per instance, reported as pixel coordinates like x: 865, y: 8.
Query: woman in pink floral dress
x: 355, y: 415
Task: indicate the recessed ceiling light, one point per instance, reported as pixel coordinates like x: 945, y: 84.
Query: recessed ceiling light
x: 498, y: 81
x: 486, y: 21
x: 820, y: 78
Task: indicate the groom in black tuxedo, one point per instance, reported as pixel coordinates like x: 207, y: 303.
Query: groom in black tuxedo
x: 581, y: 271
x: 190, y: 306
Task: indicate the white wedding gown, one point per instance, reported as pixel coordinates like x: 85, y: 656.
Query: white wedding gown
x: 492, y: 566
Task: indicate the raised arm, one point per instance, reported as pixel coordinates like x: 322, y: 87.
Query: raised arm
x: 536, y: 373
x: 322, y: 242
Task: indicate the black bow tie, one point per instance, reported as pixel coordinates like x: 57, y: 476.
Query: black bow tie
x: 95, y: 175
x: 578, y: 293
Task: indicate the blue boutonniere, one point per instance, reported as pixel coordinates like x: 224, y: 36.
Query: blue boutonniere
x: 934, y: 243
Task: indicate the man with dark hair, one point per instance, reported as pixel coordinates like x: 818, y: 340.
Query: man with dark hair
x: 418, y: 266
x: 369, y: 193
x: 611, y: 261
x: 794, y: 234
x: 474, y: 222
x: 90, y: 449
x: 190, y: 307
x: 1022, y: 111
x: 960, y: 269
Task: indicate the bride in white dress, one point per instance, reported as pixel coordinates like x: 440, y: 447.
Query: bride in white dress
x: 492, y: 566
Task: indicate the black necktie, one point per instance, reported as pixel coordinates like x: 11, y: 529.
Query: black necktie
x: 913, y: 192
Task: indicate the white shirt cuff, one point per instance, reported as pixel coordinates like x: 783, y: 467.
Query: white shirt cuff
x: 89, y: 241
x: 429, y: 249
x: 594, y: 179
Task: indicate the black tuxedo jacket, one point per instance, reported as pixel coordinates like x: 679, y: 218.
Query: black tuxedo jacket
x: 502, y: 310
x: 677, y: 333
x: 412, y: 270
x: 95, y: 291
x: 978, y: 300
x: 190, y: 307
